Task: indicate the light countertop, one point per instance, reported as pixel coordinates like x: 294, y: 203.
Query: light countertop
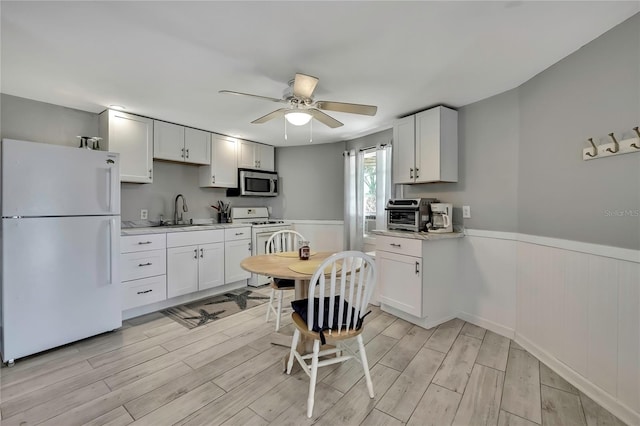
x: 169, y: 229
x: 418, y: 235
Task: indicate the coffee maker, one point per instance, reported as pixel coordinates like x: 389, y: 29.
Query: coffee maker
x: 441, y: 218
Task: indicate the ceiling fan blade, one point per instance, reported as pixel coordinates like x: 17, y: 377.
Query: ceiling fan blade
x: 273, y: 114
x: 345, y: 107
x: 304, y: 85
x: 324, y: 118
x: 266, y: 98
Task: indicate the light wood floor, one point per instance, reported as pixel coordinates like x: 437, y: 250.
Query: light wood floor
x: 154, y: 371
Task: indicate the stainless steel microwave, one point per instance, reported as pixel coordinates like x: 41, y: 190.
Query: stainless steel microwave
x: 256, y: 183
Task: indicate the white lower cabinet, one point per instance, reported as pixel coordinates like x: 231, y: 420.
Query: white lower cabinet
x: 417, y: 277
x: 211, y: 266
x: 401, y: 281
x: 143, y: 263
x: 182, y: 270
x: 195, y: 261
x: 237, y: 247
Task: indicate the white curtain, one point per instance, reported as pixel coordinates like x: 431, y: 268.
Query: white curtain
x: 383, y: 184
x: 353, y: 208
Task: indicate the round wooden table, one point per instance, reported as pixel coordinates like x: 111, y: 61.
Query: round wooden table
x: 277, y: 266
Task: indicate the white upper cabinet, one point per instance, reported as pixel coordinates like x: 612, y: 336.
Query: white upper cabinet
x: 425, y: 147
x: 404, y: 136
x: 178, y: 143
x: 132, y: 137
x: 197, y: 146
x: 223, y: 170
x: 253, y: 155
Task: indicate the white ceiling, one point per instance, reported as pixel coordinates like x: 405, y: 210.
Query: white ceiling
x: 168, y: 60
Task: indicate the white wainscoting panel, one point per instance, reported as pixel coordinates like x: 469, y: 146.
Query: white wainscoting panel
x: 583, y: 311
x: 487, y: 284
x: 323, y: 235
x: 629, y: 334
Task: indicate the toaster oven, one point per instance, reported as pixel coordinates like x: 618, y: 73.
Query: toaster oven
x: 411, y: 214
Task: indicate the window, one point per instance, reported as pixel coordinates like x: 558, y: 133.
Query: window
x: 369, y: 193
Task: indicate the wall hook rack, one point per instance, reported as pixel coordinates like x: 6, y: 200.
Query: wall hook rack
x: 625, y: 146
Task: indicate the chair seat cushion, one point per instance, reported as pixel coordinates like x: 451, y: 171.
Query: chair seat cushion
x: 283, y: 283
x: 301, y: 308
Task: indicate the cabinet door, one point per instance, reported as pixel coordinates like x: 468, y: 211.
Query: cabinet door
x: 211, y: 266
x: 247, y: 155
x: 197, y: 146
x: 132, y: 137
x: 428, y: 145
x: 223, y: 171
x: 404, y: 150
x: 400, y: 281
x: 266, y: 160
x: 234, y: 253
x: 182, y: 270
x: 168, y: 141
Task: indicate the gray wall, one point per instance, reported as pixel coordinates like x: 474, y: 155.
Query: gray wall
x: 34, y: 121
x: 312, y: 181
x: 374, y: 139
x: 591, y: 93
x: 488, y: 136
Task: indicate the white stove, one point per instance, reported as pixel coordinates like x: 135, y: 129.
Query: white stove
x: 261, y: 229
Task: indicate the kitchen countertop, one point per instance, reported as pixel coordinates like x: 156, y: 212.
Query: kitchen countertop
x: 167, y: 229
x: 418, y: 235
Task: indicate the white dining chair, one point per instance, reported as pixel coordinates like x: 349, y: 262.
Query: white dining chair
x: 339, y: 293
x: 281, y: 241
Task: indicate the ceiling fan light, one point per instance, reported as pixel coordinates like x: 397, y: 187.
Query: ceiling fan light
x: 297, y: 118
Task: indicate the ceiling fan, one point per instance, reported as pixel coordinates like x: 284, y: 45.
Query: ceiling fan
x: 302, y: 107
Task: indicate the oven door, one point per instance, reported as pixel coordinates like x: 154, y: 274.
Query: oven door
x: 260, y: 247
x: 407, y: 219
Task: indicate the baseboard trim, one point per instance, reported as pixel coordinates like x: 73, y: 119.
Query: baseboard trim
x: 614, y: 406
x: 488, y: 324
x: 422, y: 322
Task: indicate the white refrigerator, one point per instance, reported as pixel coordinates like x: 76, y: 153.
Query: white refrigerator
x: 60, y: 246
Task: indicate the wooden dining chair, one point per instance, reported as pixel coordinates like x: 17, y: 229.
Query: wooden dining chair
x: 281, y: 241
x: 339, y: 293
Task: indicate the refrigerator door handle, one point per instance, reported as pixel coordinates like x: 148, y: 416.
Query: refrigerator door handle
x: 113, y: 248
x: 113, y: 181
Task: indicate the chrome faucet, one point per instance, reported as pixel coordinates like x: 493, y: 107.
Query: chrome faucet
x: 177, y: 219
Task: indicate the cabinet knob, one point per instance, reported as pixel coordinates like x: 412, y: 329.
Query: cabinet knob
x: 395, y: 245
x: 145, y: 264
x: 187, y: 152
x: 182, y: 152
x: 144, y: 242
x: 417, y: 268
x: 150, y: 175
x: 145, y: 291
x: 417, y: 174
x: 411, y: 173
x: 195, y: 253
x: 213, y: 179
x: 201, y: 252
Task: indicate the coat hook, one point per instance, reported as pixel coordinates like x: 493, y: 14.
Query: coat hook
x: 635, y: 145
x: 595, y: 149
x: 616, y: 144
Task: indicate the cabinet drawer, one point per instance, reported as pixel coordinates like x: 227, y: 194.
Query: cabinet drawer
x: 233, y: 234
x: 143, y: 264
x: 192, y: 238
x: 144, y: 291
x: 407, y: 246
x: 132, y: 243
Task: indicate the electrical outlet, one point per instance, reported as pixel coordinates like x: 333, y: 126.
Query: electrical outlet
x: 144, y: 214
x: 466, y: 212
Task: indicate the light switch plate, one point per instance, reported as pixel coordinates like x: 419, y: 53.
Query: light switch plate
x: 466, y: 212
x: 144, y: 214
